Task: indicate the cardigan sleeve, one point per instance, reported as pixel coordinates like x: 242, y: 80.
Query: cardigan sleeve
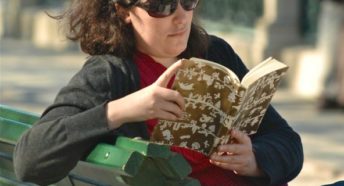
x: 68, y: 129
x: 277, y: 147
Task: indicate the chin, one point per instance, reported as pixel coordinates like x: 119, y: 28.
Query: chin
x: 178, y: 50
x: 175, y: 53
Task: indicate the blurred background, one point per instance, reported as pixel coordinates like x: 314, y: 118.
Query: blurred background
x: 36, y: 60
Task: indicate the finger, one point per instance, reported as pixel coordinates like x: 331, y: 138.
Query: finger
x: 173, y: 96
x: 241, y: 165
x: 167, y: 115
x: 172, y: 108
x: 232, y: 148
x: 168, y: 74
x: 240, y: 137
x: 228, y: 166
x: 234, y: 167
x: 231, y: 159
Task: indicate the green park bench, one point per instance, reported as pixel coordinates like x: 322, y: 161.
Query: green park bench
x: 127, y: 162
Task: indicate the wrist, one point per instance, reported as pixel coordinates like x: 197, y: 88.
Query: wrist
x: 114, y: 116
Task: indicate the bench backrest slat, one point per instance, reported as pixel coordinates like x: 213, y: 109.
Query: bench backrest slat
x: 18, y: 115
x: 11, y: 130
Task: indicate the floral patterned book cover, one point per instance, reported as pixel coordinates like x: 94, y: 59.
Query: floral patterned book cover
x: 216, y: 101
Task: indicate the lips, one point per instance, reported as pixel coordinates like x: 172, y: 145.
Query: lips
x: 178, y: 33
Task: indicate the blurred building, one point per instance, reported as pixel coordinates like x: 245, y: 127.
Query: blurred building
x: 29, y: 20
x: 292, y: 31
x: 257, y: 29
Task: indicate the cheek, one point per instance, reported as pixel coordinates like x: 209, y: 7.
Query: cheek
x: 149, y: 38
x: 153, y: 34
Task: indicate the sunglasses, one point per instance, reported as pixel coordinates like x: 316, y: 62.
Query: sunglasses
x: 164, y: 8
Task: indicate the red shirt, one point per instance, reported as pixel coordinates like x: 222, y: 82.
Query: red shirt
x: 202, y: 169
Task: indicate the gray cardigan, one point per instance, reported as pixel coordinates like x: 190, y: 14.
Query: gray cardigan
x: 71, y: 127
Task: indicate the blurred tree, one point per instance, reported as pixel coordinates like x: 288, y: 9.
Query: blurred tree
x: 309, y: 19
x: 51, y: 2
x: 243, y: 13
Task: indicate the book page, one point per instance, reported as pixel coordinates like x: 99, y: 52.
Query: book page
x: 256, y: 101
x: 262, y: 69
x: 212, y: 98
x: 220, y: 67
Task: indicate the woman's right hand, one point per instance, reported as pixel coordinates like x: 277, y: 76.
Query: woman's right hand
x: 154, y: 101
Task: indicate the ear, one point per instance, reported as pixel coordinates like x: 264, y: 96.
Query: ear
x: 123, y: 13
x: 127, y: 19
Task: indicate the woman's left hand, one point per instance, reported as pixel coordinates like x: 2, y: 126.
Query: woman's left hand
x: 238, y: 157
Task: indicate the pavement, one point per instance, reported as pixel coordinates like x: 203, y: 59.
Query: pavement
x: 322, y: 138
x: 31, y: 77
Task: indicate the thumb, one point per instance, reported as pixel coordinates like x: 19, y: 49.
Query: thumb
x: 168, y: 74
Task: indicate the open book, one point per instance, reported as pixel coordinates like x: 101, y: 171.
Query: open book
x: 216, y: 102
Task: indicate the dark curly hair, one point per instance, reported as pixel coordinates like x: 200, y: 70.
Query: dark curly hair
x: 100, y: 30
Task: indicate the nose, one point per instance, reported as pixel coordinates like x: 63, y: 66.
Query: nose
x: 180, y: 14
x: 179, y: 7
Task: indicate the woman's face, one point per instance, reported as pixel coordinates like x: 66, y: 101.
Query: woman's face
x: 161, y: 37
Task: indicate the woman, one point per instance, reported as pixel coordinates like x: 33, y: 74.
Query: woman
x: 123, y: 89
